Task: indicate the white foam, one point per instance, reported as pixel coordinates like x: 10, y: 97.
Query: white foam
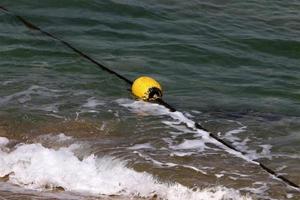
x: 141, y: 107
x: 181, y: 128
x: 168, y: 164
x: 181, y: 154
x: 141, y: 146
x: 92, y: 103
x: 7, y: 82
x: 201, y: 137
x: 242, y: 146
x: 278, y: 169
x: 191, y: 144
x: 219, y: 175
x: 25, y: 95
x: 89, y: 107
x: 259, y: 189
x: 57, y: 116
x: 235, y: 173
x: 266, y: 151
x: 36, y: 167
x: 239, y: 144
x: 145, y: 108
x: 230, y: 135
x: 3, y: 141
x: 49, y: 108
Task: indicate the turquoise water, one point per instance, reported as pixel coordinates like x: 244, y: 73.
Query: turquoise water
x: 232, y: 66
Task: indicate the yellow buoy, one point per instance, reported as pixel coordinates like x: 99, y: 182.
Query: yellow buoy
x: 146, y: 88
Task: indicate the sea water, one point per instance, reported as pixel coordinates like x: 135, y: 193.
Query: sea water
x: 69, y: 130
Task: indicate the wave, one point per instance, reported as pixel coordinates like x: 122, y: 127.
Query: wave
x: 34, y: 166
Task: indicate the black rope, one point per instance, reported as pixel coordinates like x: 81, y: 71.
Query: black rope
x: 158, y: 101
x: 34, y: 27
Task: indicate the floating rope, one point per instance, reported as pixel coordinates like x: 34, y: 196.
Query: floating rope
x: 157, y: 100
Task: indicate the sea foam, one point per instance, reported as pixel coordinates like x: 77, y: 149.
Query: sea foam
x: 201, y: 137
x: 34, y: 166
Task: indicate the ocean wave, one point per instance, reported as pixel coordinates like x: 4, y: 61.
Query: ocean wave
x: 182, y: 124
x: 34, y: 166
x: 26, y: 95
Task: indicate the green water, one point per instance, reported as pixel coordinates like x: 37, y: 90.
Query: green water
x: 228, y: 63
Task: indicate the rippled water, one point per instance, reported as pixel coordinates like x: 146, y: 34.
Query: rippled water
x: 71, y: 131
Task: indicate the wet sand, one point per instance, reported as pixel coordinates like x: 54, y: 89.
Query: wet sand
x: 210, y: 169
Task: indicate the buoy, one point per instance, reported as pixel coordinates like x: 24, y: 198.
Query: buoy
x: 146, y: 88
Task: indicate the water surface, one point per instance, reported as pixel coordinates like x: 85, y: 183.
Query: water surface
x: 69, y: 130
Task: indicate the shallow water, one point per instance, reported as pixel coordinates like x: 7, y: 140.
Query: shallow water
x: 69, y: 130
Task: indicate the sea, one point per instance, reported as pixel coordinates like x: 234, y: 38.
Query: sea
x: 70, y: 130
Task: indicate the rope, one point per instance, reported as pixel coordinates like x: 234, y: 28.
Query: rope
x: 158, y: 101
